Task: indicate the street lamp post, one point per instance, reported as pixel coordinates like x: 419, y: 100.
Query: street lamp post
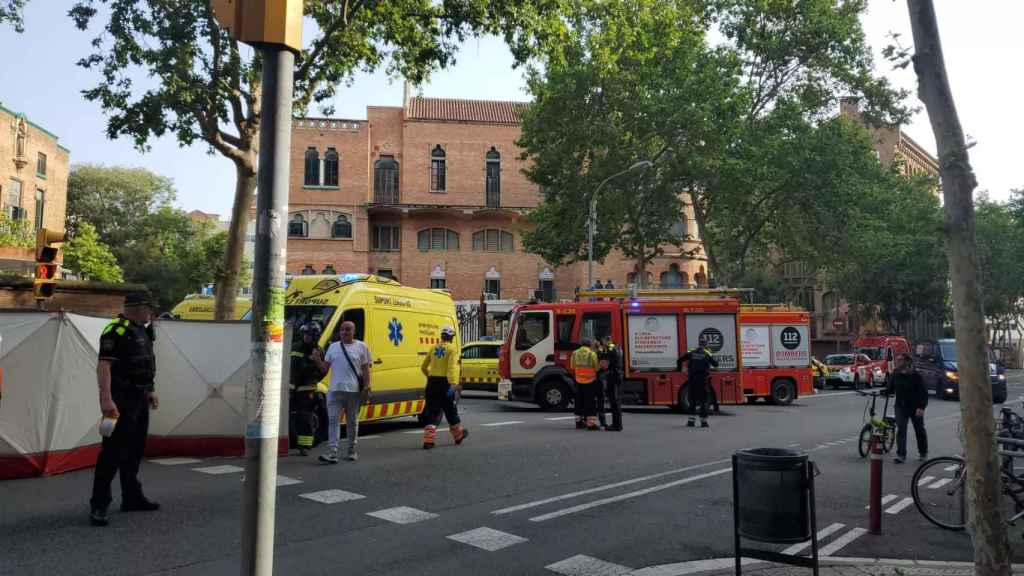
x: 592, y: 217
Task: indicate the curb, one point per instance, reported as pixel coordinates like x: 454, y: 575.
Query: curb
x: 716, y: 566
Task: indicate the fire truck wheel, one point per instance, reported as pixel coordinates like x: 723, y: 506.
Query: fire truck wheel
x: 553, y: 395
x: 783, y: 392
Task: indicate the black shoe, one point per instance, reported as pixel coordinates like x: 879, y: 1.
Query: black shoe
x: 690, y: 423
x: 613, y: 428
x: 899, y: 459
x: 703, y: 423
x: 428, y: 445
x: 98, y: 517
x: 142, y: 505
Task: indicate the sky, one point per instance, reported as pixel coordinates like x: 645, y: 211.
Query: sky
x: 979, y: 38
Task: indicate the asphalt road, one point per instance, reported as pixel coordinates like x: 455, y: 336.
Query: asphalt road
x: 525, y: 494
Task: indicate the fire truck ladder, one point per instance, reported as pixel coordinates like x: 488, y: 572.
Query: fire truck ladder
x: 664, y: 294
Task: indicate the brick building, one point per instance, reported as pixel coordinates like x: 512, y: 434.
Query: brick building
x: 33, y: 186
x: 893, y: 147
x: 433, y: 194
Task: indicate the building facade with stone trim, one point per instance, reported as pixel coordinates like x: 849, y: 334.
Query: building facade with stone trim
x: 34, y: 170
x: 433, y: 194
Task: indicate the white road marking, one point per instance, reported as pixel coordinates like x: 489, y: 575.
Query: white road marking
x: 175, y: 461
x: 925, y: 480
x: 942, y: 482
x: 822, y: 534
x: 841, y: 542
x: 693, y: 566
x: 488, y: 425
x: 487, y: 539
x: 581, y: 565
x: 402, y: 515
x: 603, y: 488
x: 222, y: 469
x: 561, y: 418
x: 793, y: 445
x: 332, y: 496
x: 951, y: 468
x: 287, y: 481
x: 827, y: 395
x: 885, y: 500
x: 370, y: 436
x: 899, y: 506
x: 627, y: 496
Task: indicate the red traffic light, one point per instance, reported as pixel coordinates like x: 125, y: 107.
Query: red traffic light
x: 46, y: 271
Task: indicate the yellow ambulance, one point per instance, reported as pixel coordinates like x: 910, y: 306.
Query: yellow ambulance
x: 200, y: 307
x: 399, y: 324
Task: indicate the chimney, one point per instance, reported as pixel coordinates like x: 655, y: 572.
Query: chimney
x: 406, y: 95
x: 849, y: 106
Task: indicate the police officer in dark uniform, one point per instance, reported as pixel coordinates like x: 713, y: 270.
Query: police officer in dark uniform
x: 611, y: 378
x: 699, y: 362
x: 304, y: 376
x: 125, y: 372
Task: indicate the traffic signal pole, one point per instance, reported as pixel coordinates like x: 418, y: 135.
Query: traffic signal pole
x: 263, y: 390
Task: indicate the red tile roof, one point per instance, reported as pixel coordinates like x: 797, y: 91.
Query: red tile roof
x: 455, y: 110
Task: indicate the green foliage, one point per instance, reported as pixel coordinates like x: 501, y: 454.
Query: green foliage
x: 890, y: 259
x: 11, y: 12
x: 999, y: 233
x: 16, y: 233
x: 114, y: 199
x: 86, y: 254
x: 737, y: 124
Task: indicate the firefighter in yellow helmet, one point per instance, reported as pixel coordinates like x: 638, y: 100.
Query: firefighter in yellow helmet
x: 584, y: 365
x: 441, y: 367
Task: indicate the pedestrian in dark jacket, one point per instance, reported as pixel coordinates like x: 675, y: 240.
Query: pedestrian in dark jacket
x: 911, y: 400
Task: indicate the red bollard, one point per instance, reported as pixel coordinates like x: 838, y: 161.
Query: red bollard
x: 875, y: 495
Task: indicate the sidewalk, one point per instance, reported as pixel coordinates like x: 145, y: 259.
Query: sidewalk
x: 831, y: 566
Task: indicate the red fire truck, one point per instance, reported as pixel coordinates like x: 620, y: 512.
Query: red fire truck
x: 775, y: 349
x: 653, y: 329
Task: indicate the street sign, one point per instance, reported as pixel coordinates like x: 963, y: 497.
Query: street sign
x: 838, y: 324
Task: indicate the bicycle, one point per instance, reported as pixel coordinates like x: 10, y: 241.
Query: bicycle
x: 886, y: 427
x: 943, y: 477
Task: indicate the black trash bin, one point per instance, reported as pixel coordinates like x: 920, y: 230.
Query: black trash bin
x: 773, y: 495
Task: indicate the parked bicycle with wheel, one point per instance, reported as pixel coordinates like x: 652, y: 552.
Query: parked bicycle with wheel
x: 885, y: 426
x: 938, y: 486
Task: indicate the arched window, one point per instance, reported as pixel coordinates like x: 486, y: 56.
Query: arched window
x: 329, y: 269
x: 385, y: 180
x: 437, y: 169
x: 493, y: 178
x: 700, y: 278
x: 492, y: 241
x: 437, y: 239
x: 298, y: 227
x: 308, y: 270
x: 312, y: 177
x: 331, y: 165
x: 341, y: 228
x: 437, y: 278
x: 671, y: 278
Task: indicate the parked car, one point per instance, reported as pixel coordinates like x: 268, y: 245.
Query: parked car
x: 853, y: 370
x: 480, y: 365
x: 937, y: 362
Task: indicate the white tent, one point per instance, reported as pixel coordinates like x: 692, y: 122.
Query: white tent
x: 49, y: 404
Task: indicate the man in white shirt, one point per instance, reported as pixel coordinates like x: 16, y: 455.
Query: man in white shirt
x: 345, y: 391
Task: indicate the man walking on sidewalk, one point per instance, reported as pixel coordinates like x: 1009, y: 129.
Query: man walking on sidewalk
x: 441, y: 367
x: 911, y: 400
x: 349, y: 362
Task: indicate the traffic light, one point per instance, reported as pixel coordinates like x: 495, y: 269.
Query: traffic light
x: 46, y: 263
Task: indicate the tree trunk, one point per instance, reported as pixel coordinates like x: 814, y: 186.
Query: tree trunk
x: 709, y: 251
x: 227, y: 284
x: 984, y: 497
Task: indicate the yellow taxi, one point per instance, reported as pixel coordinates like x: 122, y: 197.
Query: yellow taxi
x: 480, y: 365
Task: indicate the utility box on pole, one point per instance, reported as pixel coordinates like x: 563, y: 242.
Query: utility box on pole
x: 276, y: 22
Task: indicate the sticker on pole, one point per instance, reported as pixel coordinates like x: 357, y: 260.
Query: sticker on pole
x: 263, y: 391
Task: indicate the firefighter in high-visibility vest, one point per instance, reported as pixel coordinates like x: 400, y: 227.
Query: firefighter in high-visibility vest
x: 441, y: 367
x: 699, y: 362
x: 304, y: 376
x: 584, y: 365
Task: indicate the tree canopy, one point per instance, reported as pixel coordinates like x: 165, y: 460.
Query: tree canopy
x: 86, y: 254
x: 166, y: 68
